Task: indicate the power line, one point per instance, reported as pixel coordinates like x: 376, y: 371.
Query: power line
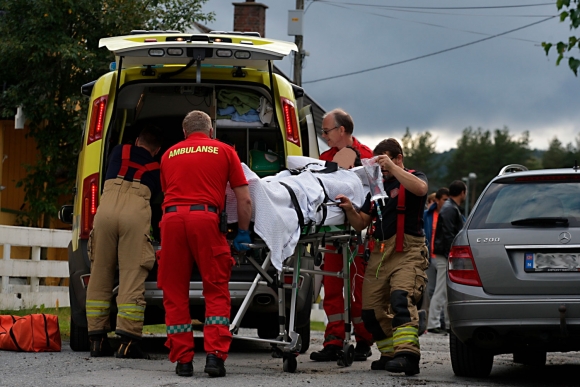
x: 400, y: 9
x: 430, y: 24
x: 431, y: 54
x: 407, y: 7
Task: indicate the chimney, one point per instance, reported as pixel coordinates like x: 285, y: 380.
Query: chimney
x: 250, y: 17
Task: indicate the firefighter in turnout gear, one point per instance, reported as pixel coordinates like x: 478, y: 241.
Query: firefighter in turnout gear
x: 194, y: 175
x: 395, y: 276
x: 120, y: 236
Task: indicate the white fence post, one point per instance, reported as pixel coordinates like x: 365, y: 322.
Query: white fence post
x: 18, y: 296
x: 34, y: 281
x: 5, y: 277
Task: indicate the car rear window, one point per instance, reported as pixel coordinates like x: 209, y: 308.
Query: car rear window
x: 540, y: 197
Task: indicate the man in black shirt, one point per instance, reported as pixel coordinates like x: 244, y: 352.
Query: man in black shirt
x: 120, y: 237
x: 395, y: 276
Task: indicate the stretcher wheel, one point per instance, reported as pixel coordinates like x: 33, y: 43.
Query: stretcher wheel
x: 347, y: 356
x: 290, y: 363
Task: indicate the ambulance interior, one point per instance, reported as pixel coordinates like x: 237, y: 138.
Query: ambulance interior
x: 165, y: 105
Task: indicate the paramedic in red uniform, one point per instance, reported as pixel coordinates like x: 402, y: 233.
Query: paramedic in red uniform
x: 120, y: 237
x: 337, y: 128
x: 194, y: 175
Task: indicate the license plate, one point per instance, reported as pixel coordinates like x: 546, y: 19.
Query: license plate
x: 536, y: 262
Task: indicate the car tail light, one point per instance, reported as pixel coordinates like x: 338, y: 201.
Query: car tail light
x: 290, y: 122
x: 462, y: 269
x: 90, y: 199
x: 97, y: 119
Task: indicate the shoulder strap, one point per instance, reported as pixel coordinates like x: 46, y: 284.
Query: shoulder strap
x: 126, y: 163
x: 400, y: 238
x: 125, y: 158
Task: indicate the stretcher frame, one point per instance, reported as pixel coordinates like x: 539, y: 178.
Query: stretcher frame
x: 288, y: 343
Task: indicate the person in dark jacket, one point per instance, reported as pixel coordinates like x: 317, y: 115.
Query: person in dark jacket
x: 430, y: 217
x: 449, y: 222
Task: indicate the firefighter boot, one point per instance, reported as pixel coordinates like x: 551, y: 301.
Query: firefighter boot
x: 407, y: 363
x: 379, y: 365
x: 214, y: 366
x: 130, y: 349
x: 100, y: 346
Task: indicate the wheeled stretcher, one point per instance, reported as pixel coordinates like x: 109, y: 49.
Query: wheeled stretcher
x: 310, y: 246
x: 295, y: 217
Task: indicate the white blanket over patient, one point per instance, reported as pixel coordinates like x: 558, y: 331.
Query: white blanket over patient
x: 273, y: 212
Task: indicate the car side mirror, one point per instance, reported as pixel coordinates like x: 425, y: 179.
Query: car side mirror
x: 66, y: 214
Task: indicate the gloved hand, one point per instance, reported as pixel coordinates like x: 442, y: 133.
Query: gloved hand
x: 242, y: 237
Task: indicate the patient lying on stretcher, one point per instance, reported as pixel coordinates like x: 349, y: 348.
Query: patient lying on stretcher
x: 292, y: 199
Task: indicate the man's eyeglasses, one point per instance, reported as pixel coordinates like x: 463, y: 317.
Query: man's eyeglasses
x: 325, y: 131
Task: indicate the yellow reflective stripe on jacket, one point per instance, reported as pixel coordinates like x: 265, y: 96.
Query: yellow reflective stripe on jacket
x: 386, y: 345
x: 97, y: 308
x: 406, y: 335
x: 132, y: 312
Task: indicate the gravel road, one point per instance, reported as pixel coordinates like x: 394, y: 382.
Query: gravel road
x: 250, y: 364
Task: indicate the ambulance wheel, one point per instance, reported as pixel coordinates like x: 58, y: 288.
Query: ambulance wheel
x: 347, y: 356
x: 290, y: 363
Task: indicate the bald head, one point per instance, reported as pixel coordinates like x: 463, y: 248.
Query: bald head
x: 341, y: 118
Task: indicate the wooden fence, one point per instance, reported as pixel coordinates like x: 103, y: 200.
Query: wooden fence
x: 21, y: 288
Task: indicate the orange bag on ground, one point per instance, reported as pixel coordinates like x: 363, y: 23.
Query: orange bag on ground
x: 31, y: 333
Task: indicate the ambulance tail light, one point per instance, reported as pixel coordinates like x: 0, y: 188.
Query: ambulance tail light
x: 462, y: 269
x: 290, y: 122
x: 89, y: 205
x: 97, y: 123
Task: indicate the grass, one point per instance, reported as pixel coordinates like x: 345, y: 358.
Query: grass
x: 64, y: 321
x: 317, y: 326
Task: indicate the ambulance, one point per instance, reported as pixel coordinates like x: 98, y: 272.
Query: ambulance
x: 157, y: 78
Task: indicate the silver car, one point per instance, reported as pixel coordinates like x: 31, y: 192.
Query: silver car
x: 514, y: 271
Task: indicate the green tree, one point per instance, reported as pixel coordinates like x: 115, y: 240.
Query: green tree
x: 420, y: 155
x: 48, y: 50
x: 555, y: 155
x: 570, y: 10
x: 560, y: 156
x: 485, y: 153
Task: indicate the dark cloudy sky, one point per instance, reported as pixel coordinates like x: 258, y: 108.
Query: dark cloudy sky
x: 506, y: 81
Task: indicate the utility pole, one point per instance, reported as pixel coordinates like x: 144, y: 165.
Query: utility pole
x: 299, y: 40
